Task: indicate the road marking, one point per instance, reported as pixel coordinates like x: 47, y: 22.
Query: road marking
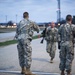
x: 42, y: 73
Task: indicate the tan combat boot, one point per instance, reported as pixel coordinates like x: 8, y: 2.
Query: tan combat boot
x: 23, y: 70
x: 68, y: 72
x: 62, y: 73
x: 51, y: 61
x: 28, y: 72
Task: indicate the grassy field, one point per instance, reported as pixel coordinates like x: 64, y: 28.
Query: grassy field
x: 15, y: 41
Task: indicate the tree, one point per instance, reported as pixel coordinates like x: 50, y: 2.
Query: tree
x: 10, y: 23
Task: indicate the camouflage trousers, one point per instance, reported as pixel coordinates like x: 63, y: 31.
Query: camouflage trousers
x: 24, y: 53
x: 66, y: 56
x: 51, y: 49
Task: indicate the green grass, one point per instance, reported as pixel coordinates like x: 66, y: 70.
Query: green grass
x: 2, y: 32
x: 15, y: 41
x: 8, y: 42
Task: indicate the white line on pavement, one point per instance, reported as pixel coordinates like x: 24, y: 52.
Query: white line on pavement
x: 3, y: 71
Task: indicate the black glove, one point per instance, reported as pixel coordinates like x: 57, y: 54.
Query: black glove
x: 59, y: 44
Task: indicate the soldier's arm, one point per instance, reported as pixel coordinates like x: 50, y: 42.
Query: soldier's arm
x: 36, y: 27
x: 73, y: 29
x: 59, y: 30
x: 58, y: 37
x: 59, y: 33
x: 47, y: 37
x: 17, y: 30
x: 16, y: 35
x: 56, y: 30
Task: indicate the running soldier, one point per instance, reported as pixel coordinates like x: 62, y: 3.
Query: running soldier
x: 24, y: 33
x: 66, y: 32
x: 51, y: 38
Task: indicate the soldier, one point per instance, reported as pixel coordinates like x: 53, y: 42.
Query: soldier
x: 24, y: 33
x: 51, y: 38
x: 66, y: 46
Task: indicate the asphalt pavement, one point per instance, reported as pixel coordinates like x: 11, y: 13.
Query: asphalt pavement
x: 9, y: 63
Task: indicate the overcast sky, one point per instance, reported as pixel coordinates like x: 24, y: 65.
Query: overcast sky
x: 39, y: 10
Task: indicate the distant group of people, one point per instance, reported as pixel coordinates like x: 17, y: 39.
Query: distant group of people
x: 64, y: 34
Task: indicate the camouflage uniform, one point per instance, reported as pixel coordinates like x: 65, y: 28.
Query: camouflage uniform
x: 24, y: 33
x: 51, y: 38
x: 66, y: 46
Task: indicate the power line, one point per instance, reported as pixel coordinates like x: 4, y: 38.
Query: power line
x: 16, y: 18
x: 6, y: 18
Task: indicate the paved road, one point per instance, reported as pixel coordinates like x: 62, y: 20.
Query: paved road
x: 10, y: 36
x: 6, y: 36
x: 40, y: 64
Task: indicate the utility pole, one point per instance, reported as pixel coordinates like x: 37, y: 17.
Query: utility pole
x: 6, y: 18
x: 59, y: 12
x: 16, y: 18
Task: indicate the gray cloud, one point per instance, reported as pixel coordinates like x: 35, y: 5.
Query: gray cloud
x: 39, y: 10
